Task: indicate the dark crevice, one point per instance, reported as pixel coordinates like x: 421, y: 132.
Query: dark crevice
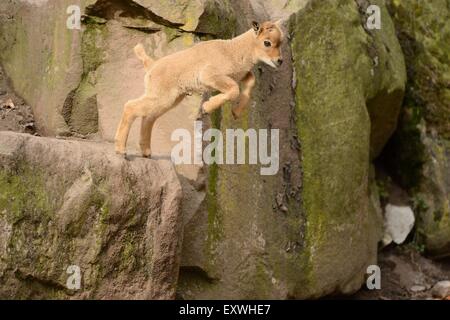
x: 197, y: 273
x: 108, y: 9
x: 66, y: 111
x: 143, y: 29
x: 404, y: 156
x: 384, y: 113
x: 104, y: 10
x: 193, y: 275
x: 26, y: 277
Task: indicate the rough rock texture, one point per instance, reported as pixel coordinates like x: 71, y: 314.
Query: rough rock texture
x: 202, y: 16
x: 419, y: 153
x: 277, y: 9
x: 294, y: 236
x: 405, y: 274
x: 245, y: 245
x: 309, y: 231
x: 349, y: 84
x: 41, y: 56
x: 68, y: 203
x: 15, y: 114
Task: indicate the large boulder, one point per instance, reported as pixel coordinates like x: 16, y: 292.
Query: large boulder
x: 312, y: 229
x: 349, y: 88
x: 419, y: 153
x: 72, y: 203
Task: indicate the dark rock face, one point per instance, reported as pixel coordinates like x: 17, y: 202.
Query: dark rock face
x: 419, y: 153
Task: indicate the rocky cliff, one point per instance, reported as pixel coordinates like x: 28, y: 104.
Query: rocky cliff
x: 145, y: 229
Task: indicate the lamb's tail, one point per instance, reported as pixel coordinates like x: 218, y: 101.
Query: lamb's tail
x: 142, y: 55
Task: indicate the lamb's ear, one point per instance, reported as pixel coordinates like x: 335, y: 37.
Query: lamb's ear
x: 279, y: 23
x: 256, y: 27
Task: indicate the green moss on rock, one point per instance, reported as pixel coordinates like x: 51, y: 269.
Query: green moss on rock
x: 80, y: 108
x: 218, y: 19
x: 341, y: 92
x: 419, y: 153
x: 23, y: 195
x: 90, y: 210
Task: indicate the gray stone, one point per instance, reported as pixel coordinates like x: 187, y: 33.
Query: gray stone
x: 399, y: 222
x: 441, y: 289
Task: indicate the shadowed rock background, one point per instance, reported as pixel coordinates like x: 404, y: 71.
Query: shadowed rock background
x: 362, y: 113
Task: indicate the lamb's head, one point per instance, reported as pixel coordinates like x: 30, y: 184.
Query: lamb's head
x: 269, y: 38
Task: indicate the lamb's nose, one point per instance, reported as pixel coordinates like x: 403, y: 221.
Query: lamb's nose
x: 280, y: 61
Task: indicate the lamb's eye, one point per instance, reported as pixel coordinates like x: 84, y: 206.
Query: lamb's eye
x: 267, y: 44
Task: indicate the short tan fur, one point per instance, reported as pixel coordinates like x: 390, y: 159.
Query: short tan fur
x: 217, y: 65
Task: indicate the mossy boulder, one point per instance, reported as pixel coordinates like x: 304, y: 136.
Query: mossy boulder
x: 312, y: 229
x: 419, y: 153
x: 349, y: 88
x: 433, y: 199
x: 65, y: 203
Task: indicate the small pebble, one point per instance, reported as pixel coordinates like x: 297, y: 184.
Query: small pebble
x: 418, y: 288
x: 441, y: 289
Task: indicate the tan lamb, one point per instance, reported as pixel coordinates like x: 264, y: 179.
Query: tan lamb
x: 217, y: 65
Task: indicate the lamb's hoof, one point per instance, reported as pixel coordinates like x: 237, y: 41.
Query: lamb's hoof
x: 235, y: 117
x: 123, y: 156
x: 148, y: 156
x: 201, y: 113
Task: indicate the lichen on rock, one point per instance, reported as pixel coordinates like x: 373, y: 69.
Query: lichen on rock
x: 419, y: 153
x: 341, y: 93
x: 119, y: 222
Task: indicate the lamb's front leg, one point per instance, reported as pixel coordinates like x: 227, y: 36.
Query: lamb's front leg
x: 249, y: 83
x: 228, y: 87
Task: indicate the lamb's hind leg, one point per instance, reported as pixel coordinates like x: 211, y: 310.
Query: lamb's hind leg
x: 146, y: 132
x: 148, y: 121
x: 132, y: 110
